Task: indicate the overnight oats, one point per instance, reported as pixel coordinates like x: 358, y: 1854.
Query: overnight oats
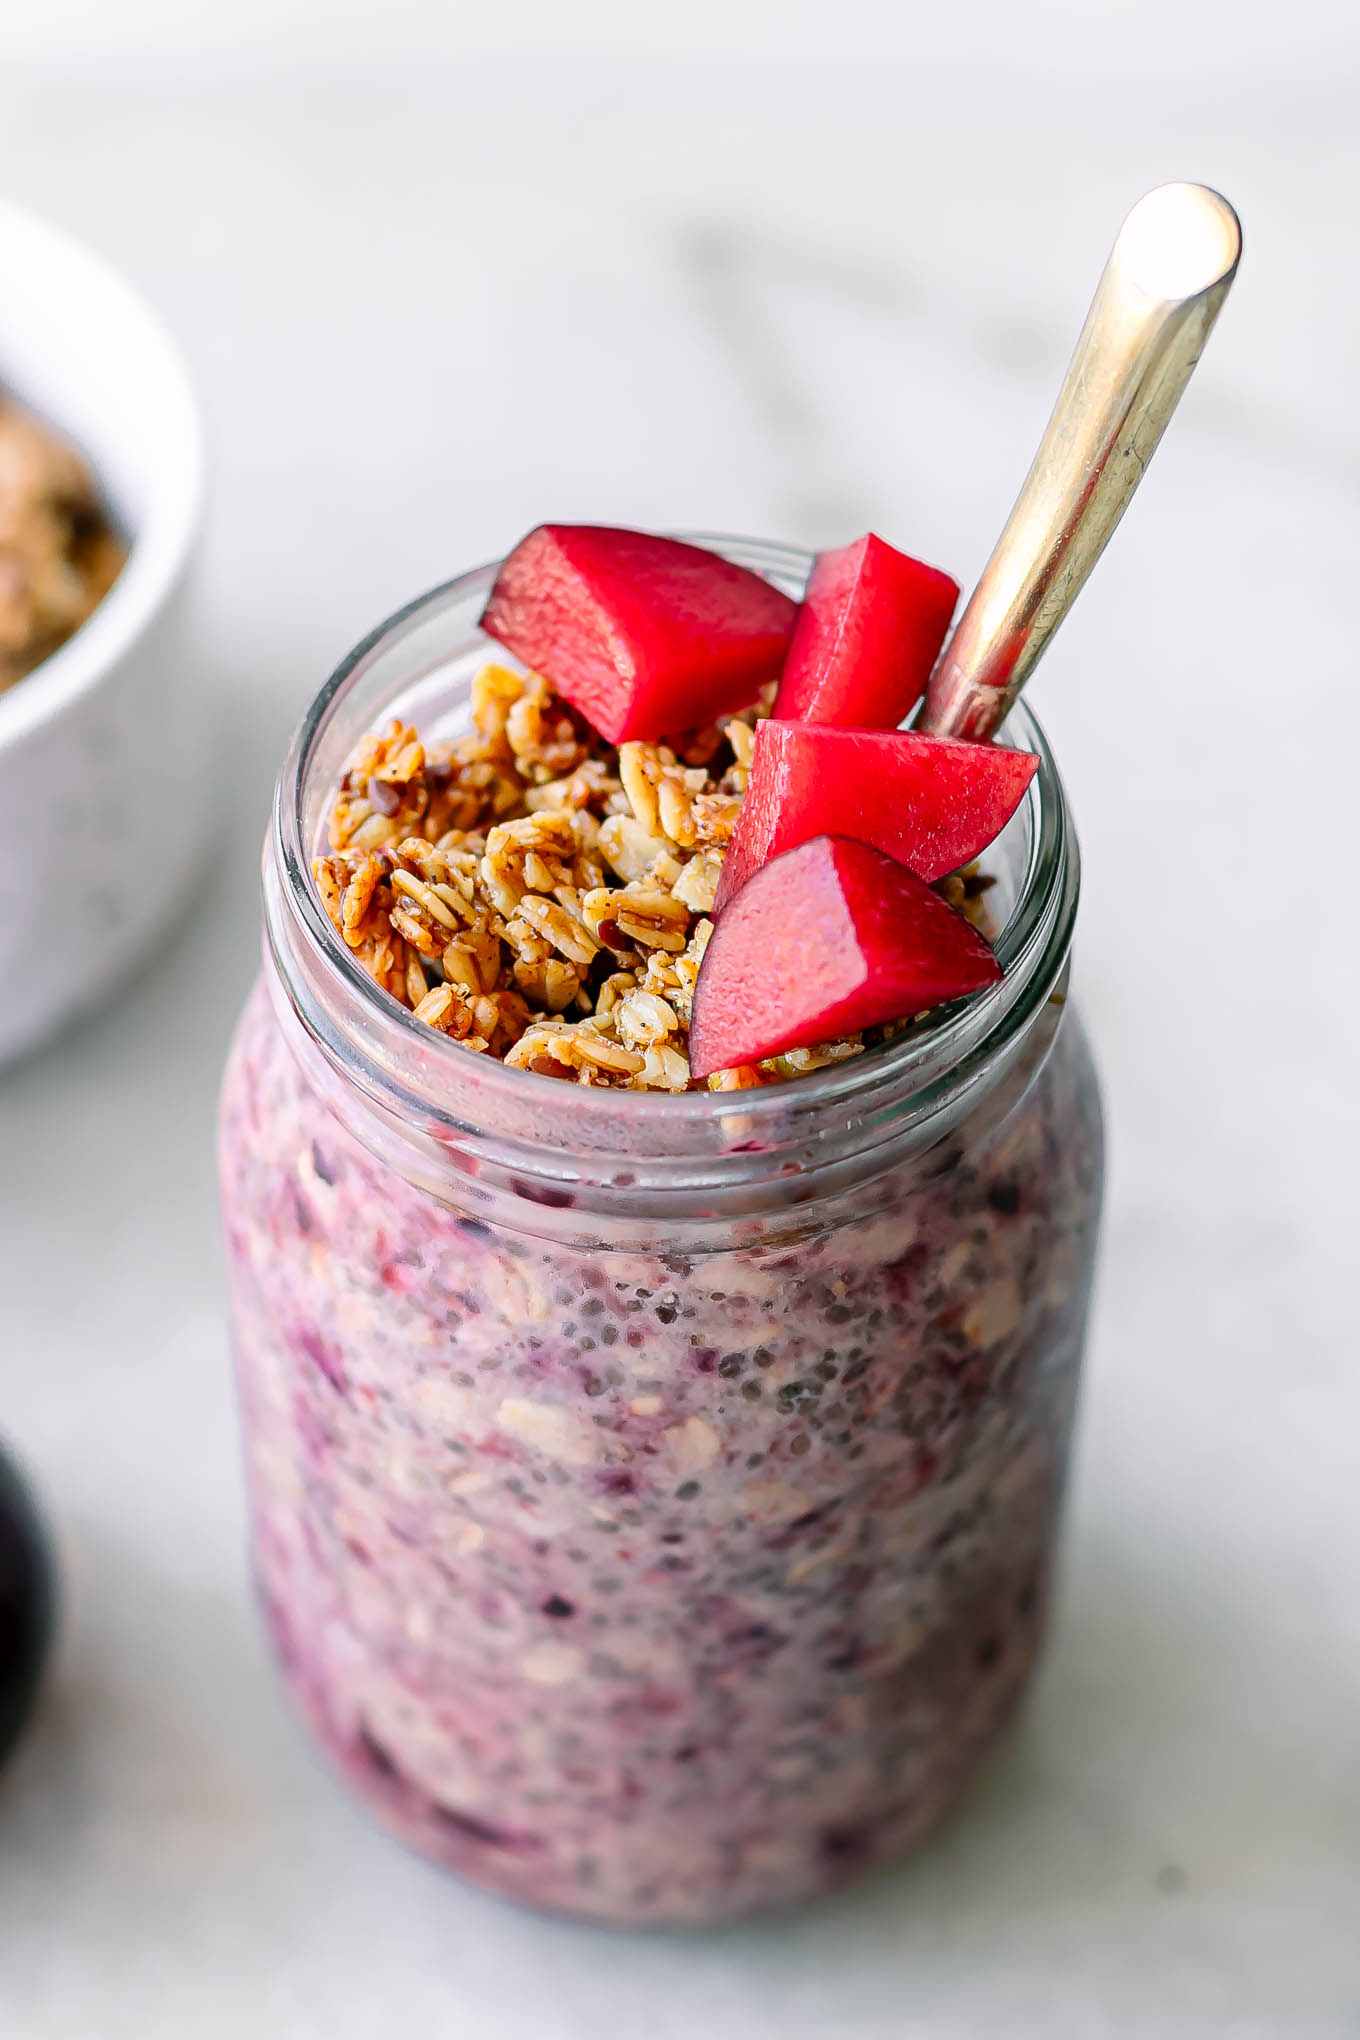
x: 658, y: 1295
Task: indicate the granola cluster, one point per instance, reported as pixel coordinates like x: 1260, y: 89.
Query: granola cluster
x: 59, y: 556
x: 542, y: 896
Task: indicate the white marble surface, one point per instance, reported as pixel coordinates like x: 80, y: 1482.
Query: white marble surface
x: 706, y: 290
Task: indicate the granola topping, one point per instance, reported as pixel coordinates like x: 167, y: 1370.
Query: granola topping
x: 542, y: 896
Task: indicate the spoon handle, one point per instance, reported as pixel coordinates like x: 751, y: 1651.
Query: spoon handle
x: 1167, y: 276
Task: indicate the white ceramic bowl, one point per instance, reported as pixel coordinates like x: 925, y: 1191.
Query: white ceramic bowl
x: 101, y: 755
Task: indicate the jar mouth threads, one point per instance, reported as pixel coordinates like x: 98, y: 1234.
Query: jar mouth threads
x: 473, y: 1116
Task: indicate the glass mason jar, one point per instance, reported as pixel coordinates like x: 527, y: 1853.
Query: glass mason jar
x: 654, y: 1498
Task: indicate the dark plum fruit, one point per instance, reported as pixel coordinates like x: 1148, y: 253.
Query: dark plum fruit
x: 26, y: 1605
x: 871, y: 623
x: 826, y: 940
x: 645, y: 636
x: 929, y: 802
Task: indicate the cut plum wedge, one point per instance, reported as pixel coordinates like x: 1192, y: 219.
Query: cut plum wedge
x: 931, y: 802
x: 869, y: 631
x: 828, y: 939
x: 646, y: 636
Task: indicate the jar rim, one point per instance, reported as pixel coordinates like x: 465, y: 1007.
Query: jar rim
x: 456, y: 1097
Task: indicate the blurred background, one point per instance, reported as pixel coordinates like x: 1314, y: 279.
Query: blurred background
x: 441, y: 271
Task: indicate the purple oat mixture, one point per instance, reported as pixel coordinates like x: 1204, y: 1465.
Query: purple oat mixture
x: 641, y: 1584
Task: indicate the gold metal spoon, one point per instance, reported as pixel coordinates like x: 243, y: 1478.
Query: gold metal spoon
x: 1166, y: 279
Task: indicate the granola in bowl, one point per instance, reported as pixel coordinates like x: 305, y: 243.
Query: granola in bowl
x: 542, y: 896
x: 59, y: 553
